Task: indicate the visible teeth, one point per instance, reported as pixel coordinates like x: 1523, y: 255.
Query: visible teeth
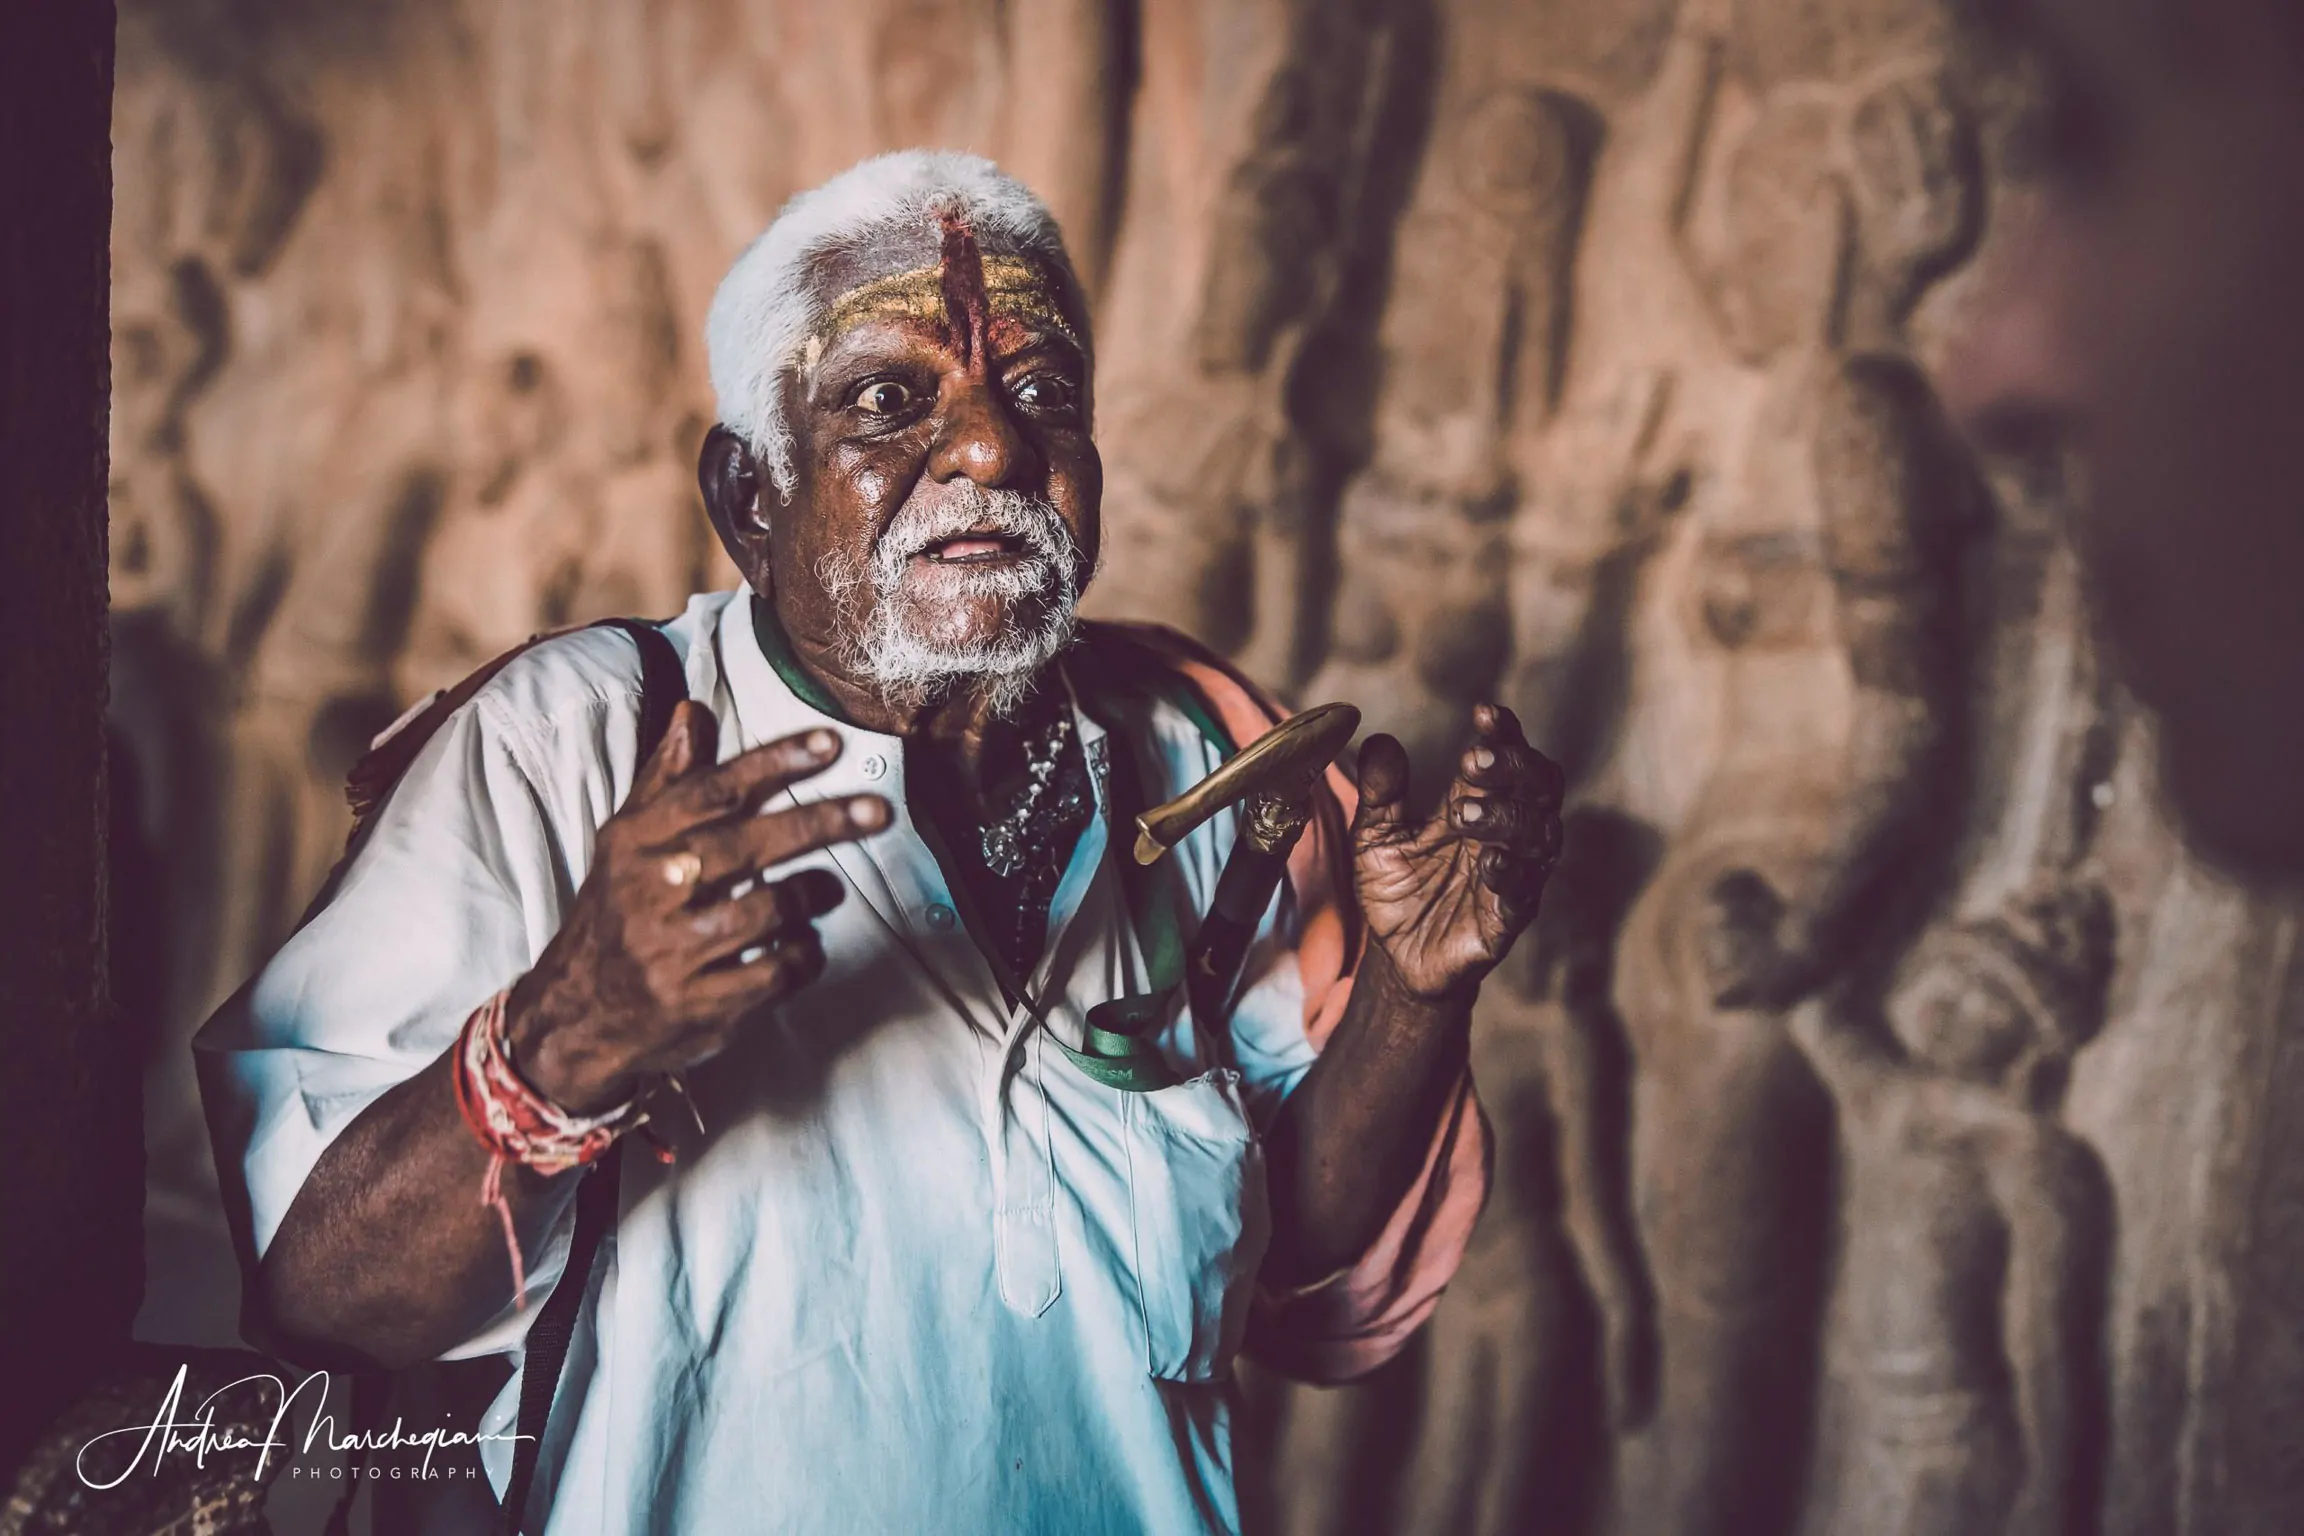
x: 975, y: 547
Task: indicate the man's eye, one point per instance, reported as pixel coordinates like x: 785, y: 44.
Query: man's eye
x: 1044, y: 392
x: 884, y: 397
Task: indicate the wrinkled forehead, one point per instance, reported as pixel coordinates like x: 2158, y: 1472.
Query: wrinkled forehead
x: 939, y: 279
x: 1012, y: 288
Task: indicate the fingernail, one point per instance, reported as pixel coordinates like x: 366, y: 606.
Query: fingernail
x: 1482, y: 758
x: 869, y: 812
x: 1471, y: 810
x: 820, y: 743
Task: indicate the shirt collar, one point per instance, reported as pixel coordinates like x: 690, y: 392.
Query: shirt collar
x: 769, y: 706
x: 768, y: 634
x: 894, y: 870
x: 775, y: 695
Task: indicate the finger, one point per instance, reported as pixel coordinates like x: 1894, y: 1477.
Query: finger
x: 1497, y: 726
x: 763, y: 972
x: 691, y: 738
x: 723, y: 928
x: 726, y: 996
x: 740, y: 784
x: 1502, y: 819
x: 731, y: 850
x: 1383, y: 781
x: 1506, y: 766
x: 1517, y: 882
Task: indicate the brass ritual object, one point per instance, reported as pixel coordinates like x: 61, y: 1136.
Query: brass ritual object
x: 1274, y: 777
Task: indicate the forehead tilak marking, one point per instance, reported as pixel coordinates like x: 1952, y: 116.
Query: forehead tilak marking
x: 1013, y: 288
x: 967, y: 306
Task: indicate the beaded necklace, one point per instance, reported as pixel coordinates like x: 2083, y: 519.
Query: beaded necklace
x: 1019, y: 852
x: 1023, y: 845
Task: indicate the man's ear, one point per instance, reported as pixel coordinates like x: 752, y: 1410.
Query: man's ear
x: 730, y: 478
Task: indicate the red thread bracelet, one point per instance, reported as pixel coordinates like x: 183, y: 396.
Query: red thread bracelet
x: 516, y: 1124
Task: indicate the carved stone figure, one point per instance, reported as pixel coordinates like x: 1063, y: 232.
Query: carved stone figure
x: 1547, y: 1342
x: 1817, y: 576
x: 1223, y: 471
x: 1475, y: 331
x: 1973, y: 1269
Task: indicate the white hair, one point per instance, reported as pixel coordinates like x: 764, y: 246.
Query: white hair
x: 768, y: 305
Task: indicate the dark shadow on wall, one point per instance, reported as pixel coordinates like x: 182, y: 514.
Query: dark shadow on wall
x: 165, y: 846
x: 69, y: 1274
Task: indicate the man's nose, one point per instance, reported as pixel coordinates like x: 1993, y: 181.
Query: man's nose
x: 2010, y: 375
x: 978, y: 438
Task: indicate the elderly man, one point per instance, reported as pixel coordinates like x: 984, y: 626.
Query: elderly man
x: 903, y: 1263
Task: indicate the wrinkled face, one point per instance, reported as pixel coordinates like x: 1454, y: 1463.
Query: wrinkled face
x: 944, y: 516
x: 2151, y: 321
x: 1959, y: 1022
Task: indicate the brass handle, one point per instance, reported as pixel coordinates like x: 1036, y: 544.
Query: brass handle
x: 1278, y: 767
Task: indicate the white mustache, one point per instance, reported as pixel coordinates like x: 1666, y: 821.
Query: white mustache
x: 889, y: 648
x: 971, y: 508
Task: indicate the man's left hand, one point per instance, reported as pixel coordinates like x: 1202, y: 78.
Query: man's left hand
x: 1446, y: 897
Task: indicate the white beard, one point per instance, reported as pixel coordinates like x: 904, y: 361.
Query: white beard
x: 897, y: 651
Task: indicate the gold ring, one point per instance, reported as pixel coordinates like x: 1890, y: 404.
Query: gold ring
x: 683, y: 868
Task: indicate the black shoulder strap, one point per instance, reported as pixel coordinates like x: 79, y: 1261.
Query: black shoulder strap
x: 663, y: 679
x: 664, y: 683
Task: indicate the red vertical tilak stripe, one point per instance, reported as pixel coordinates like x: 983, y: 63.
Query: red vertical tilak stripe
x: 967, y: 307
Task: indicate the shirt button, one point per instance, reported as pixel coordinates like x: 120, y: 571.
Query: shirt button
x: 941, y: 917
x: 874, y: 766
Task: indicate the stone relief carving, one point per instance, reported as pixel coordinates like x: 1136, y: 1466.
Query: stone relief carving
x: 1818, y: 590
x: 1549, y: 1338
x: 1974, y: 1266
x: 1475, y: 334
x: 1571, y: 353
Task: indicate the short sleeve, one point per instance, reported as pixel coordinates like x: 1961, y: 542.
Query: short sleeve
x: 1349, y: 1322
x: 1269, y: 1043
x: 459, y: 885
x: 1292, y: 998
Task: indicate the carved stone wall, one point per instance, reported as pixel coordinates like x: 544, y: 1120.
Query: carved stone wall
x: 1571, y: 351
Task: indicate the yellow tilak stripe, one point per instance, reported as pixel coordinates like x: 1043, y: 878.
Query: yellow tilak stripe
x: 1012, y: 286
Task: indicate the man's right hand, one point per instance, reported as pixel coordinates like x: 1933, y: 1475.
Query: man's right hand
x: 652, y: 974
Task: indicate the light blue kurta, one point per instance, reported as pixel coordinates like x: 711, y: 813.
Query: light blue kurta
x: 920, y: 1274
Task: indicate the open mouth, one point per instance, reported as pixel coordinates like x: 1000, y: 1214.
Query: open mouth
x: 976, y: 548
